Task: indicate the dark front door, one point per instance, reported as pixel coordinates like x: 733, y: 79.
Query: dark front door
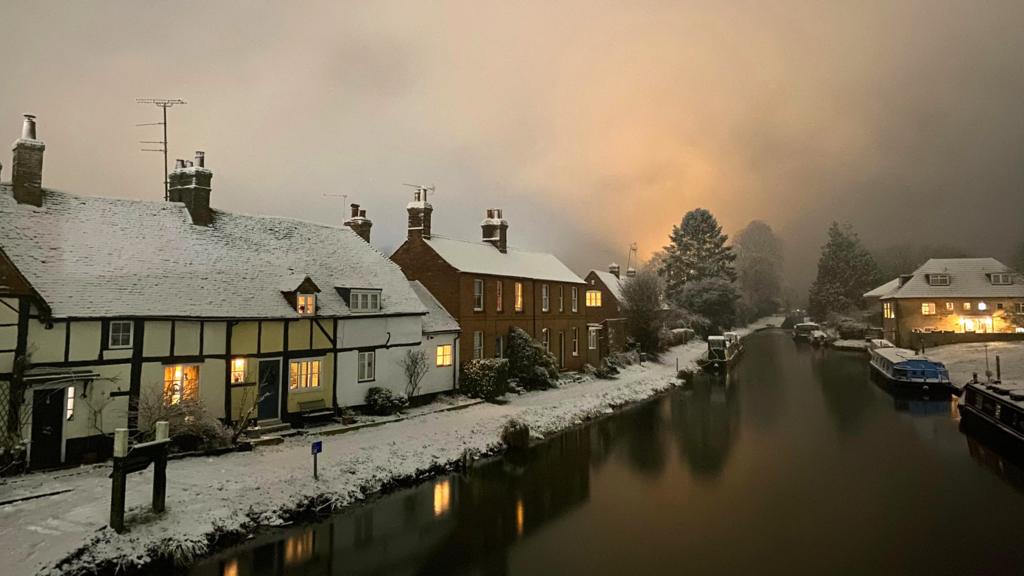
x: 270, y: 389
x: 47, y: 427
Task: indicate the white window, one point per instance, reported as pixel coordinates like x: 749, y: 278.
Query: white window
x: 499, y: 346
x: 367, y: 366
x: 305, y: 304
x: 478, y: 344
x: 181, y: 383
x: 362, y: 301
x: 938, y: 279
x: 1020, y: 307
x: 928, y: 308
x: 545, y: 298
x: 561, y: 298
x: 887, y: 310
x: 592, y: 338
x: 1002, y: 279
x: 949, y: 306
x: 237, y: 370
x: 967, y: 305
x: 545, y: 338
x: 518, y: 296
x: 478, y: 294
x: 499, y: 296
x: 120, y: 334
x: 444, y: 355
x: 982, y: 306
x: 593, y: 298
x: 575, y: 341
x: 575, y: 299
x: 69, y: 405
x: 303, y: 374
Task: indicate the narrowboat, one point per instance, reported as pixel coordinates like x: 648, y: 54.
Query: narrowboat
x: 906, y: 368
x: 1000, y: 405
x: 720, y: 353
x: 803, y: 331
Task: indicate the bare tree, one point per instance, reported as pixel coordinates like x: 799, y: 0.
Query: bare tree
x: 414, y: 364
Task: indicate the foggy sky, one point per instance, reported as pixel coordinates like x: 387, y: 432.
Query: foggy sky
x: 592, y: 124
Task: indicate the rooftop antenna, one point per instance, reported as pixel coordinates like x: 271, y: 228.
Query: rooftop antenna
x: 344, y: 197
x: 163, y: 104
x: 422, y: 190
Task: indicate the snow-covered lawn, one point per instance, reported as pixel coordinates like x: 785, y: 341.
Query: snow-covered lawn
x: 962, y: 360
x: 236, y: 492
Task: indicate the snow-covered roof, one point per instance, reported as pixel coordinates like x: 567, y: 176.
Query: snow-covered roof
x: 437, y: 319
x: 613, y: 283
x: 484, y: 258
x: 884, y: 289
x: 96, y: 257
x: 968, y: 278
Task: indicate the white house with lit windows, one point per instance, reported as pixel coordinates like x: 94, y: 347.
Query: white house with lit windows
x: 109, y: 302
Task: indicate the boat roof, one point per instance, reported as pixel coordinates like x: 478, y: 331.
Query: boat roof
x: 882, y: 343
x: 903, y: 355
x: 807, y: 325
x: 715, y: 338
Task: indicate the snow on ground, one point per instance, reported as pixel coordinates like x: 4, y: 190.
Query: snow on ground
x: 962, y: 360
x: 850, y: 344
x: 238, y: 491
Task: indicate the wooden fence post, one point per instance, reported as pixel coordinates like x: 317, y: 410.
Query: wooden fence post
x: 117, y: 486
x: 160, y: 469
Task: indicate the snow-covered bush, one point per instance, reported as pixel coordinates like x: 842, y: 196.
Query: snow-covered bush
x: 191, y: 426
x: 384, y: 402
x: 515, y: 434
x: 529, y: 363
x: 850, y: 328
x: 485, y: 378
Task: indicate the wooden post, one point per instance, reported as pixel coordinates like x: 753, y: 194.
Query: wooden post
x: 117, y: 487
x: 160, y: 468
x: 999, y: 371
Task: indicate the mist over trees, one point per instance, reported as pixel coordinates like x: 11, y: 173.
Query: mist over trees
x: 846, y: 270
x: 899, y: 259
x: 759, y: 268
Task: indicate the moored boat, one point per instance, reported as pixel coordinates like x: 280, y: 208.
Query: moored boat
x: 721, y: 352
x: 999, y: 405
x: 907, y: 368
x: 803, y: 331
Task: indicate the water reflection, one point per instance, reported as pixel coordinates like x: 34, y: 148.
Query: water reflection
x: 705, y: 420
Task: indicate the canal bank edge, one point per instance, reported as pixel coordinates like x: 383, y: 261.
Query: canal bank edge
x: 381, y: 463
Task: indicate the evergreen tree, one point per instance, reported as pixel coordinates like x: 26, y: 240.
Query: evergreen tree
x: 641, y: 305
x: 696, y: 252
x: 713, y: 302
x: 846, y: 270
x: 759, y: 267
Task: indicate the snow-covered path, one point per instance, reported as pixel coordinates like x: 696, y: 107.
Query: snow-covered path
x: 228, y: 493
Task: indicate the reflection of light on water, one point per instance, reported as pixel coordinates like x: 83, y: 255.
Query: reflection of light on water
x: 298, y: 549
x: 519, y: 517
x: 230, y: 568
x: 954, y: 408
x: 442, y: 497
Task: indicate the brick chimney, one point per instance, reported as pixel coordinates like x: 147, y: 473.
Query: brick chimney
x: 27, y: 168
x: 495, y: 230
x: 190, y: 183
x: 613, y: 268
x: 419, y: 215
x: 359, y: 223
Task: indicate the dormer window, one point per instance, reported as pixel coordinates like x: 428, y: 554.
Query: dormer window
x: 938, y: 279
x: 363, y: 301
x: 305, y: 304
x: 1001, y: 279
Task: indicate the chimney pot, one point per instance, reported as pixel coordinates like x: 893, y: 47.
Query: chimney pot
x: 359, y: 223
x: 355, y: 210
x: 27, y: 167
x: 495, y: 229
x: 200, y: 158
x: 613, y: 268
x: 419, y: 216
x: 28, y: 127
x: 179, y: 164
x: 193, y: 188
x: 362, y: 213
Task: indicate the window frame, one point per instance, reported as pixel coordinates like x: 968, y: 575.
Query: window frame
x: 182, y: 396
x: 1006, y: 279
x: 561, y: 298
x: 927, y: 308
x: 361, y: 373
x: 478, y: 294
x: 888, y: 310
x: 588, y: 301
x: 967, y: 306
x: 444, y: 356
x: 1019, y: 306
x: 575, y: 341
x: 110, y: 334
x: 69, y: 403
x: 478, y: 344
x: 517, y: 297
x: 545, y: 339
x: 950, y: 307
x: 499, y: 346
x: 575, y: 298
x: 592, y: 338
x: 307, y: 298
x: 982, y: 306
x: 234, y: 369
x: 939, y: 279
x: 545, y: 298
x: 363, y: 301
x: 499, y: 296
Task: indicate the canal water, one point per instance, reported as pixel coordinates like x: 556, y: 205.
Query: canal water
x: 797, y: 463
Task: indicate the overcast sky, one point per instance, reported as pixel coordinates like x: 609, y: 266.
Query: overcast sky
x: 593, y: 124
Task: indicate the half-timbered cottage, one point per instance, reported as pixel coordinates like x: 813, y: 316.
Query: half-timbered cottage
x: 109, y: 302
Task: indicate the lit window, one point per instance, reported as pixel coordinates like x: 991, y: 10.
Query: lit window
x: 967, y: 305
x: 120, y: 334
x: 561, y: 298
x: 575, y: 299
x: 181, y: 383
x: 367, y: 366
x: 575, y: 341
x: 518, y: 296
x: 938, y: 279
x: 949, y: 305
x: 887, y: 310
x: 69, y: 405
x: 478, y: 294
x: 928, y: 308
x: 1020, y: 307
x: 305, y: 304
x: 593, y: 298
x: 364, y: 301
x: 499, y: 296
x: 499, y: 346
x: 545, y: 337
x: 444, y: 355
x: 1002, y: 279
x: 545, y: 298
x: 238, y: 370
x: 982, y: 306
x: 478, y: 344
x: 303, y: 374
x: 592, y: 338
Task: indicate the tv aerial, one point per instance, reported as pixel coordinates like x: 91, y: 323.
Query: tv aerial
x: 421, y: 190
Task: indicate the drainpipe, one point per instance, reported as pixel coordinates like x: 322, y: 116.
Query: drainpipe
x: 455, y: 362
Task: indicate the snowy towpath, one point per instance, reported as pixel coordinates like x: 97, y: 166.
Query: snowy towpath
x: 230, y: 492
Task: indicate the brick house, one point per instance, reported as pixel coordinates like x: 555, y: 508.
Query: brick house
x: 952, y: 300
x: 606, y: 324
x: 489, y: 287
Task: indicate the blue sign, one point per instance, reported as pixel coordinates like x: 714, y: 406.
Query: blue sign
x: 318, y: 447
